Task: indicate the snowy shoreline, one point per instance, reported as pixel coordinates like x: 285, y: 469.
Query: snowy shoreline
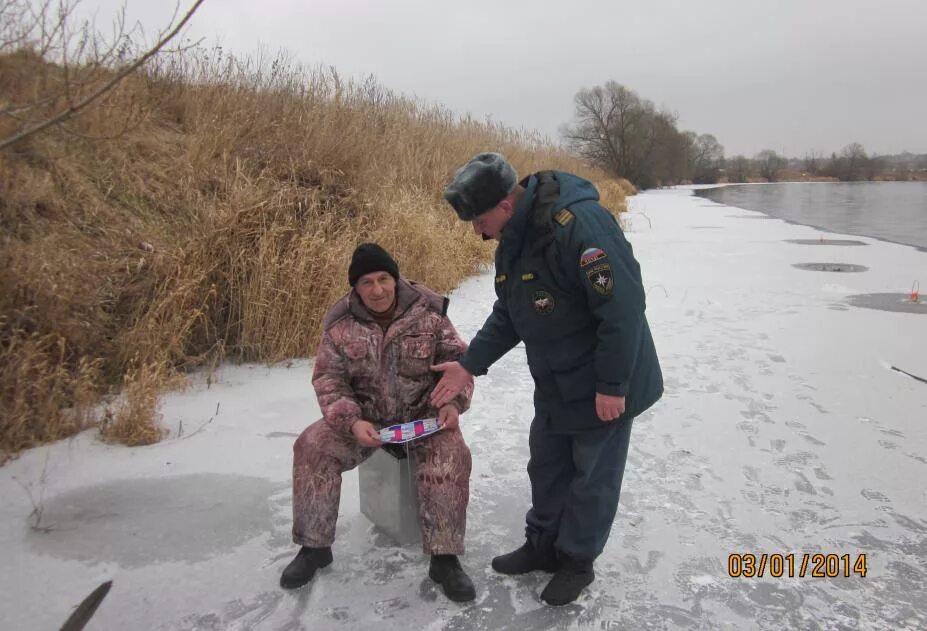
x: 781, y: 431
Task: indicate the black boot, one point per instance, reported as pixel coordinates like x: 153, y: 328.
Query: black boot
x: 571, y: 577
x: 301, y: 569
x: 526, y: 559
x: 445, y: 570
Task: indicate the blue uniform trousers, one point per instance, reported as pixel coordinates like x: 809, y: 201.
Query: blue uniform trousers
x: 575, y: 485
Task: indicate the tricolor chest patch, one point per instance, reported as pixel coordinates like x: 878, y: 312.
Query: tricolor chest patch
x: 598, y: 271
x: 591, y: 255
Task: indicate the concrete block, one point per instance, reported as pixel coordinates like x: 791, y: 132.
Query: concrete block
x: 388, y: 496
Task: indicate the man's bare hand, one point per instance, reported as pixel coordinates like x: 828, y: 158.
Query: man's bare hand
x: 366, y: 434
x: 453, y: 381
x: 449, y: 417
x: 608, y: 407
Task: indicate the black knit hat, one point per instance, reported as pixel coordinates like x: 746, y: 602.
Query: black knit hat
x: 370, y: 257
x: 480, y: 185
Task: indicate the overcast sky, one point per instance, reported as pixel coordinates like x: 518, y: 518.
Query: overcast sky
x: 789, y: 75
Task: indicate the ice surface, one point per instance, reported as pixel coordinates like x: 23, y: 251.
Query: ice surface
x: 783, y: 430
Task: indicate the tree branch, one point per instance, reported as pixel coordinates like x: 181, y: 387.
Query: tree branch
x: 106, y: 87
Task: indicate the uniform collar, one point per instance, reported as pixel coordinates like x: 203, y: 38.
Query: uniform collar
x: 513, y: 234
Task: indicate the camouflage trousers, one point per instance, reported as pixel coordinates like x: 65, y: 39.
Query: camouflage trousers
x: 441, y: 464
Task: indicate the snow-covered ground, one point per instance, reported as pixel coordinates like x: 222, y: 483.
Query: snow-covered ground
x: 783, y: 430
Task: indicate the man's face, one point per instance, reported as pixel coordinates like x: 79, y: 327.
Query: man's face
x: 491, y: 222
x: 376, y: 290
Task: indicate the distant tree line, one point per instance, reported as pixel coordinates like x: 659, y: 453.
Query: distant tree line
x: 627, y: 136
x: 850, y: 164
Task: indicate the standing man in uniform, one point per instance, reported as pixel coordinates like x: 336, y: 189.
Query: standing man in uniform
x: 568, y: 286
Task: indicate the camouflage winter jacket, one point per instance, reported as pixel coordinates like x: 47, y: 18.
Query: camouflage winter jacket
x: 362, y: 373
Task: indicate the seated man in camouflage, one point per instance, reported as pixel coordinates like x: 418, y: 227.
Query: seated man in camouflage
x: 372, y: 370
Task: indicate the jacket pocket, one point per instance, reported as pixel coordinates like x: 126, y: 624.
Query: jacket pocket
x: 447, y: 351
x: 415, y: 354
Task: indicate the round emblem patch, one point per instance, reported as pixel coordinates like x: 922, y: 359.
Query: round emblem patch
x: 543, y: 302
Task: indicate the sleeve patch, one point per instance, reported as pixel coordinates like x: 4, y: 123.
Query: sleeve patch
x: 601, y: 278
x: 591, y: 256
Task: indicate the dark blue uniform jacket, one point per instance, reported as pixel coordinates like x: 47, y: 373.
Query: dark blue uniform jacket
x: 567, y: 284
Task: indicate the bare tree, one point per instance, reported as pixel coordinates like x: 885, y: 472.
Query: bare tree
x: 669, y: 154
x: 739, y: 169
x: 705, y: 158
x: 851, y: 164
x: 854, y: 159
x: 677, y: 158
x: 769, y: 163
x: 812, y: 162
x: 657, y: 133
x: 627, y: 136
x: 604, y: 121
x: 84, y: 65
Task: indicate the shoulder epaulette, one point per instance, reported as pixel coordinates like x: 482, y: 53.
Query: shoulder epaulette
x: 564, y: 216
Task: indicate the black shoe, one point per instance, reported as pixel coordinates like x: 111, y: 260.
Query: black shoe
x: 526, y: 559
x: 445, y: 570
x: 301, y: 569
x: 571, y: 577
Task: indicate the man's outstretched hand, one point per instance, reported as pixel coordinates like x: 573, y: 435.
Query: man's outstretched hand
x: 453, y: 381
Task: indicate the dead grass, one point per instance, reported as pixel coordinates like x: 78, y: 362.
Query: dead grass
x: 134, y: 420
x: 207, y: 209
